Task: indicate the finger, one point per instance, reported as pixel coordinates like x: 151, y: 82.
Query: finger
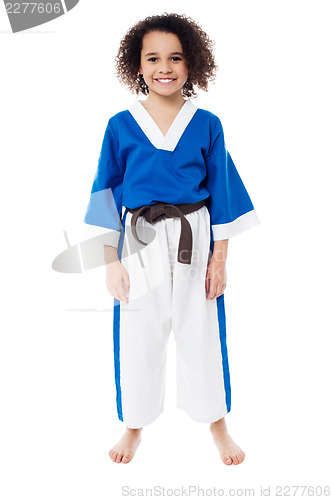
x: 221, y: 289
x: 121, y: 293
x: 216, y: 291
x: 212, y: 292
x: 126, y: 281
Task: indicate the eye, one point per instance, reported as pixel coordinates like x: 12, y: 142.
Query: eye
x: 177, y: 58
x: 152, y: 58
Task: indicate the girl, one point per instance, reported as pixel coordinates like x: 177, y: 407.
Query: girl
x: 167, y: 197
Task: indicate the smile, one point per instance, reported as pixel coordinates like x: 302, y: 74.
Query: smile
x: 165, y: 81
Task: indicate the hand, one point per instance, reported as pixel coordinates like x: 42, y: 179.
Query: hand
x: 117, y: 280
x: 216, y: 278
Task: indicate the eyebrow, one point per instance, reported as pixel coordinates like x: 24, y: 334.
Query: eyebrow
x: 156, y: 53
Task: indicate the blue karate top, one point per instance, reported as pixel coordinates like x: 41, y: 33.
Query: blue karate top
x: 139, y: 166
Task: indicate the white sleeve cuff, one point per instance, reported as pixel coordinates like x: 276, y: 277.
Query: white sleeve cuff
x: 237, y: 226
x: 105, y: 236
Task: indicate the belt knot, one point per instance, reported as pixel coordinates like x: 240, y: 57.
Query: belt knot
x: 159, y: 211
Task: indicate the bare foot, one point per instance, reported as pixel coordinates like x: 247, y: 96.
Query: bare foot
x: 230, y: 453
x: 125, y: 449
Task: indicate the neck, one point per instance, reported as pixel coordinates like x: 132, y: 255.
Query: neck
x: 175, y: 100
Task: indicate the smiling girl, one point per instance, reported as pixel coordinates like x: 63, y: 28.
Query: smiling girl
x: 168, y: 196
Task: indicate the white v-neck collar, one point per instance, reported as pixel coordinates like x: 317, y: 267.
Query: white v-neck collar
x: 153, y: 132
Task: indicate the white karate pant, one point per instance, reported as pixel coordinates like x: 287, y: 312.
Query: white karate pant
x: 167, y: 295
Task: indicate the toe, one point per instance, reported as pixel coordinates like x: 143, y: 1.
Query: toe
x: 241, y: 456
x: 119, y: 458
x: 126, y: 458
x: 235, y: 459
x: 227, y: 460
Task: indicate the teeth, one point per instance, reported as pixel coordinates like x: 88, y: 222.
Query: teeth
x: 164, y: 80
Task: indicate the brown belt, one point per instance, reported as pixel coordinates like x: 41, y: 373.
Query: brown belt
x: 159, y: 211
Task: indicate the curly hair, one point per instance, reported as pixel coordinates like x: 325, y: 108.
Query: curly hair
x: 196, y: 45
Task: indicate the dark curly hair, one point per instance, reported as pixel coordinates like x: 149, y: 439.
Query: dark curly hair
x: 196, y: 45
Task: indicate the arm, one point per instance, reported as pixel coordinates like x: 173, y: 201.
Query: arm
x: 117, y: 278
x: 229, y: 204
x: 216, y: 276
x: 110, y: 255
x: 220, y: 249
x: 230, y: 207
x: 103, y: 214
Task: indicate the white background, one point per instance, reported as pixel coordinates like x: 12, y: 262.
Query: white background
x: 58, y: 417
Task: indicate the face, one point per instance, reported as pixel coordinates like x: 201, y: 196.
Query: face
x: 162, y: 63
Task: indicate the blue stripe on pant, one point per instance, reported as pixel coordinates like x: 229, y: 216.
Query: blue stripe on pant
x: 223, y: 345
x: 116, y: 332
x: 222, y: 336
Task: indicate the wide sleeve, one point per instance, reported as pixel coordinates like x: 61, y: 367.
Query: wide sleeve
x: 230, y: 207
x: 103, y: 213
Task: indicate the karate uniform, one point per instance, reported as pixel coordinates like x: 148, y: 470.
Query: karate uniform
x: 139, y: 166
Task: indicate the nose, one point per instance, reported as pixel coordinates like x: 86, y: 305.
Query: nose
x: 165, y: 67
